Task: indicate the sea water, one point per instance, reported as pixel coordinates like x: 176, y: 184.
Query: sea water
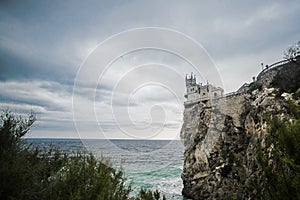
x: 148, y: 164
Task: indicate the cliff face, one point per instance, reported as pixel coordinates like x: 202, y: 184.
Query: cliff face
x: 222, y: 137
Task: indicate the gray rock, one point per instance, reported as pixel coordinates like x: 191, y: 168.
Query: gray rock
x: 221, y: 139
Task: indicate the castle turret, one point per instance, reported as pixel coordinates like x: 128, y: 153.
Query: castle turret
x: 192, y: 88
x: 191, y: 85
x: 190, y: 80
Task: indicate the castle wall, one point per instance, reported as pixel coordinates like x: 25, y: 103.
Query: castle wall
x: 193, y: 97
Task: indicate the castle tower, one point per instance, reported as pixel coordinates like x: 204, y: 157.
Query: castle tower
x: 191, y: 85
x: 192, y: 88
x: 196, y: 93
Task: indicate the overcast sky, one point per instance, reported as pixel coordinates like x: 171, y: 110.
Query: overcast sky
x: 54, y: 59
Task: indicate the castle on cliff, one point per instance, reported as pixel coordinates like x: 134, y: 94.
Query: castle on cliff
x: 197, y: 92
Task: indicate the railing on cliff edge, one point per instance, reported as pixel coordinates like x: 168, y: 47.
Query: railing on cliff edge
x: 268, y: 67
x: 272, y: 66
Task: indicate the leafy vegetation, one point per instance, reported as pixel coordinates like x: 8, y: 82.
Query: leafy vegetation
x: 30, y: 173
x: 145, y: 194
x: 281, y: 167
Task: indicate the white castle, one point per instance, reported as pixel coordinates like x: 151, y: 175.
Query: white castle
x: 196, y: 93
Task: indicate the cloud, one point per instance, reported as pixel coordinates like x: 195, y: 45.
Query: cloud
x: 44, y: 43
x: 51, y: 95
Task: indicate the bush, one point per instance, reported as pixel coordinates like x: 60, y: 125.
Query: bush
x: 293, y: 109
x: 30, y: 173
x: 11, y: 130
x: 84, y: 177
x: 149, y: 195
x: 281, y: 176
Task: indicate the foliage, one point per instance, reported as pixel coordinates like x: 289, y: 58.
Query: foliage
x: 83, y: 177
x: 297, y: 95
x: 281, y: 168
x: 30, y: 173
x: 23, y: 170
x: 12, y: 129
x: 145, y: 194
x: 292, y: 52
x: 293, y: 109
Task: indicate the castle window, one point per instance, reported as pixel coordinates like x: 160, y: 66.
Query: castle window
x: 215, y: 94
x: 203, y: 93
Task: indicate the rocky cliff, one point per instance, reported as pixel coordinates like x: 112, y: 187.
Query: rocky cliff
x: 222, y: 136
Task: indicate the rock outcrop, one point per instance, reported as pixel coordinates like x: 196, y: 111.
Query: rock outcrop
x: 222, y: 136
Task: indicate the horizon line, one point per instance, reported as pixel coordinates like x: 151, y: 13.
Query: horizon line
x: 76, y: 138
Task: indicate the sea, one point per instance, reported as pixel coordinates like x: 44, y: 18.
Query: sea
x: 148, y: 164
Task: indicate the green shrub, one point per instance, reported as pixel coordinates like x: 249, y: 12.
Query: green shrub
x: 293, y: 109
x: 145, y: 194
x: 84, y: 177
x: 30, y: 173
x: 281, y: 177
